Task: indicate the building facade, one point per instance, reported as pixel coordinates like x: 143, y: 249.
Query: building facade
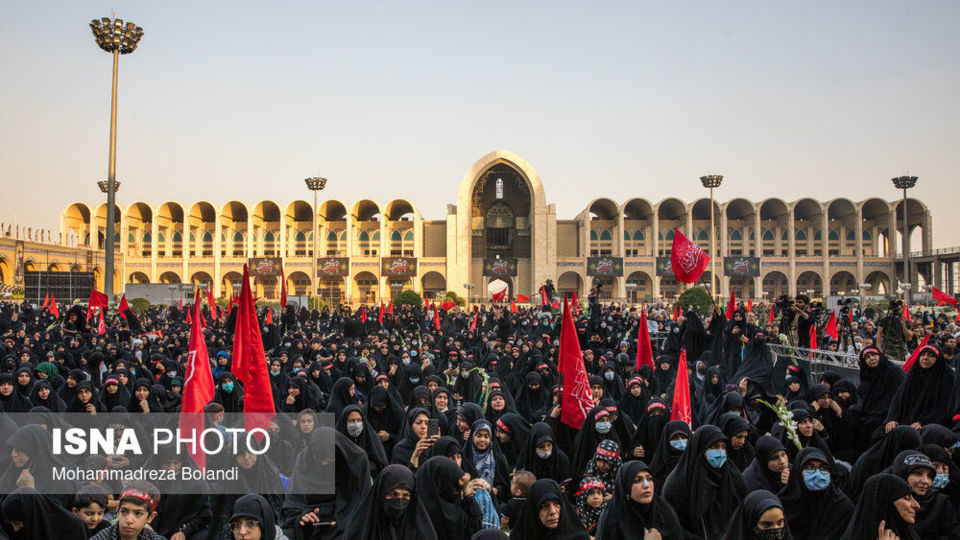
x: 502, y: 227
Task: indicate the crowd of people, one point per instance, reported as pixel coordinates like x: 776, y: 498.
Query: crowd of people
x: 449, y: 425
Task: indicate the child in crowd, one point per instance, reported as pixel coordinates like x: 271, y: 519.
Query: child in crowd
x: 137, y: 508
x: 89, y: 505
x: 519, y: 488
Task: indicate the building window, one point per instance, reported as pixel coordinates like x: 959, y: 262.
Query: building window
x: 499, y: 188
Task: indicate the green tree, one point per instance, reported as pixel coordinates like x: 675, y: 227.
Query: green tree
x: 408, y: 298
x: 456, y: 298
x: 699, y: 298
x: 139, y: 305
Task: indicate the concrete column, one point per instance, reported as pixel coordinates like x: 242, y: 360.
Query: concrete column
x: 154, y: 230
x: 656, y: 243
x: 384, y: 249
x: 217, y: 277
x: 250, y: 238
x: 859, y: 246
x: 757, y: 240
x: 825, y: 243
x: 792, y: 252
x: 688, y: 224
x: 656, y: 285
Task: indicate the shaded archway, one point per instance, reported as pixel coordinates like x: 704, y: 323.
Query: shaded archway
x: 298, y: 284
x: 879, y: 282
x: 568, y: 282
x: 201, y: 223
x: 810, y: 283
x: 775, y: 285
x: 169, y: 277
x: 331, y: 289
x: 231, y: 283
x: 743, y: 285
x: 604, y: 227
x: 639, y: 287
x: 842, y: 283
x: 138, y: 277
x: 267, y: 287
x: 201, y: 279
x: 875, y: 214
x: 366, y: 286
x: 808, y: 228
x: 774, y: 224
x: 671, y: 214
x: 669, y: 288
x: 741, y: 228
x: 434, y: 285
x: 638, y: 219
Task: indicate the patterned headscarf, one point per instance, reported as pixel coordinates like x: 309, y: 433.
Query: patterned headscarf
x: 589, y: 515
x: 608, y: 451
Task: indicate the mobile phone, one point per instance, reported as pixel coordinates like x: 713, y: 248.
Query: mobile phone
x: 433, y: 427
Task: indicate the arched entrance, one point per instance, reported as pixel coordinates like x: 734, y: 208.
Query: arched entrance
x: 138, y: 277
x: 744, y: 287
x: 331, y: 289
x: 568, y: 282
x: 842, y: 283
x: 366, y: 287
x: 639, y: 287
x: 231, y: 284
x: 201, y: 279
x: 775, y: 285
x: 434, y: 285
x: 169, y: 277
x: 879, y: 283
x: 810, y: 283
x: 396, y: 285
x: 298, y: 284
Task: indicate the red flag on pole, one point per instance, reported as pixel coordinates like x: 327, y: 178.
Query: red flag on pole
x: 644, y: 347
x: 101, y: 326
x: 687, y: 259
x: 732, y: 306
x: 97, y: 299
x: 906, y: 313
x: 473, y: 324
x: 249, y: 361
x: 436, y: 318
x: 915, y: 354
x: 543, y: 296
x: 680, y: 409
x: 380, y: 314
x: 513, y: 307
x: 46, y: 301
x: 676, y: 312
x: 771, y: 315
x: 363, y: 314
x: 831, y: 328
x: 181, y: 303
x: 269, y: 318
x: 197, y: 390
x: 426, y: 301
x: 212, y: 304
x: 749, y: 305
x: 189, y: 317
x: 283, y: 289
x: 499, y: 296
x: 577, y: 400
x: 523, y: 298
x: 54, y: 310
x: 813, y: 339
x: 123, y: 307
x: 575, y: 303
x: 943, y: 298
x: 448, y: 305
x: 390, y: 309
x: 555, y: 304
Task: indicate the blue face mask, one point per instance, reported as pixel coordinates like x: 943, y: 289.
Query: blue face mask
x: 940, y: 481
x: 716, y: 457
x: 603, y: 427
x: 227, y: 387
x: 816, y: 480
x: 414, y: 380
x: 679, y: 444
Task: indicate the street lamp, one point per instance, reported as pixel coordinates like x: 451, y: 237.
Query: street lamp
x: 315, y: 184
x: 905, y: 183
x: 712, y: 181
x: 115, y: 37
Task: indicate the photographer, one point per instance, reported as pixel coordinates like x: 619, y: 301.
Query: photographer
x: 892, y: 332
x: 800, y: 321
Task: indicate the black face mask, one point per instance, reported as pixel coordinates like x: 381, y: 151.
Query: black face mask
x: 394, y: 508
x: 770, y: 534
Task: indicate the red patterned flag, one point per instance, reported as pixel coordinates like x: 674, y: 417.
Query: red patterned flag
x: 283, y: 289
x: 436, y: 318
x: 212, y: 303
x: 513, y: 306
x: 249, y: 362
x: 576, y: 303
x: 687, y: 259
x: 915, y: 354
x: 363, y: 314
x: 943, y: 298
x: 577, y: 399
x: 831, y: 328
x: 197, y: 388
x: 473, y: 324
x: 732, y: 306
x: 644, y: 347
x: 123, y: 307
x: 680, y: 409
x: 101, y: 327
x: 749, y: 305
x: 46, y: 302
x: 269, y: 318
x: 54, y: 310
x: 523, y: 298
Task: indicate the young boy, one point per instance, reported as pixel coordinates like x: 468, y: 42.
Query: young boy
x: 89, y: 505
x: 138, y: 507
x: 519, y: 489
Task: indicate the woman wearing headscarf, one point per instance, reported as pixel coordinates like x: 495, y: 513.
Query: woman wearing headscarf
x: 28, y: 514
x: 672, y: 443
x: 649, y: 428
x: 887, y: 505
x: 741, y: 451
x: 947, y: 442
x: 879, y: 381
x: 880, y: 456
x: 391, y: 510
x: 613, y: 386
x: 229, y: 393
x: 815, y: 507
x: 635, y: 399
x: 936, y: 517
x: 590, y: 502
x: 759, y: 517
x: 114, y: 393
x: 24, y: 378
x: 635, y: 508
x: 44, y: 396
x: 84, y: 400
x: 732, y: 345
x: 352, y: 423
x: 731, y: 402
x: 12, y: 401
x: 466, y: 415
x: 447, y: 494
x: 926, y: 394
x: 533, y: 397
x: 757, y: 364
x: 409, y: 451
x: 543, y: 457
x: 704, y: 489
x: 253, y: 509
x: 512, y: 434
x: 496, y: 406
x: 31, y: 451
x: 770, y: 468
x: 806, y: 433
x: 343, y: 394
x: 385, y: 416
x: 597, y: 427
x: 547, y: 514
x: 143, y: 398
x: 604, y: 466
x: 482, y: 459
x: 469, y: 384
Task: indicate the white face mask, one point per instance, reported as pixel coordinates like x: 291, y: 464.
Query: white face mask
x: 543, y: 454
x: 609, y: 375
x: 354, y: 428
x: 405, y: 360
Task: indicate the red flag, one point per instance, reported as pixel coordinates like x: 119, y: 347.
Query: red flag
x: 831, y: 328
x: 380, y: 314
x: 197, y: 390
x: 680, y: 410
x: 46, y: 301
x: 283, y: 289
x: 543, y: 296
x: 500, y: 296
x: 957, y: 320
x: 473, y: 324
x: 749, y: 305
x: 732, y: 306
x: 687, y: 259
x: 915, y: 354
x: 513, y: 306
x: 813, y: 339
x: 676, y: 312
x: 577, y: 400
x: 850, y: 316
x: 101, y: 326
x: 123, y: 307
x: 97, y: 299
x: 523, y: 298
x: 771, y: 315
x: 644, y: 347
x: 436, y: 318
x: 189, y: 317
x: 943, y: 298
x: 390, y: 309
x: 906, y: 313
x: 575, y: 304
x: 426, y: 301
x: 363, y: 314
x: 269, y: 318
x: 249, y: 362
x: 555, y: 304
x: 54, y: 310
x: 181, y: 302
x: 212, y: 304
x: 449, y: 304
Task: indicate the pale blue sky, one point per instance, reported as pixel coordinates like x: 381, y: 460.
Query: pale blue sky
x: 243, y: 100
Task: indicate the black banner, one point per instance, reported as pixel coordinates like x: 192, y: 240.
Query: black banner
x: 664, y: 267
x: 741, y: 266
x: 500, y: 267
x: 605, y: 266
x: 64, y: 286
x: 398, y: 266
x: 264, y: 266
x: 333, y: 267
